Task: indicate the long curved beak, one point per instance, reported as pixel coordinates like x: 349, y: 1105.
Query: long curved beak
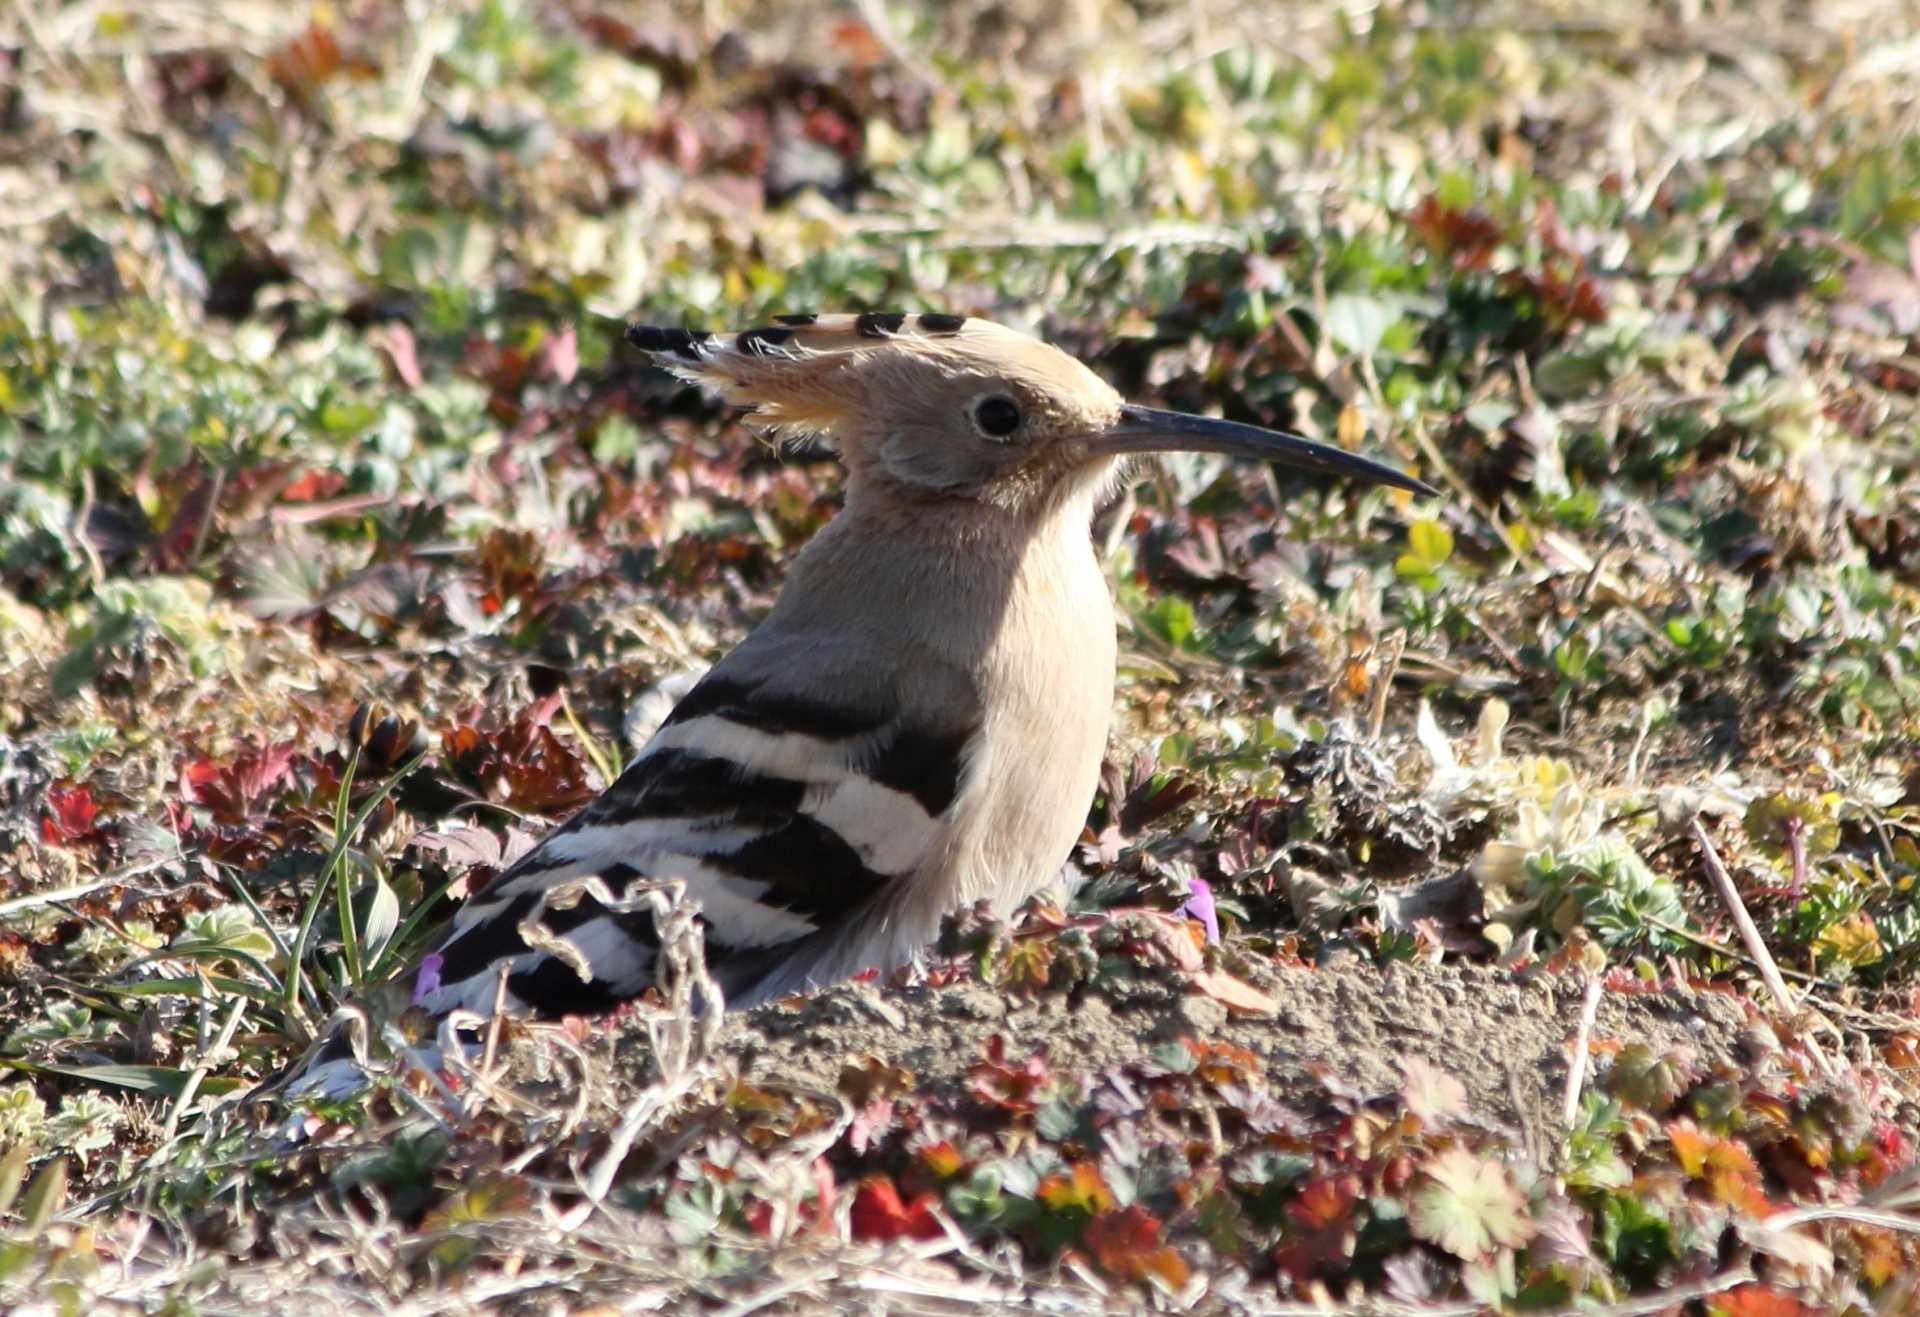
x: 1151, y: 430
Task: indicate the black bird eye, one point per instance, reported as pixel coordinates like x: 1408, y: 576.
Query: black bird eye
x: 997, y: 416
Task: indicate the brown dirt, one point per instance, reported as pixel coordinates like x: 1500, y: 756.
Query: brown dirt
x: 1506, y: 1040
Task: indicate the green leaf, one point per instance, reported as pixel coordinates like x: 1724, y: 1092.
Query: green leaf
x: 1429, y: 544
x: 1649, y: 1080
x: 1852, y: 941
x: 13, y: 1173
x: 1174, y: 1059
x: 383, y: 917
x: 1771, y: 822
x: 225, y: 928
x: 1634, y: 1239
x: 1469, y: 1206
x: 1431, y: 541
x: 1358, y: 324
x: 1056, y: 1120
x: 183, y: 986
x: 45, y: 1196
x: 978, y: 1197
x: 1172, y: 619
x: 159, y: 1081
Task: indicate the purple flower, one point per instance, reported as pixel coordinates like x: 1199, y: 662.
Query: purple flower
x: 427, y: 982
x: 1199, y: 904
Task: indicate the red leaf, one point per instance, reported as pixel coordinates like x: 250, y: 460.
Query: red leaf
x: 1725, y: 1168
x: 313, y: 485
x: 1890, y: 1151
x: 1468, y: 237
x: 524, y: 764
x: 306, y: 61
x: 502, y: 369
x: 1005, y: 1086
x: 1127, y: 1244
x: 942, y: 1160
x: 878, y: 1212
x: 258, y: 773
x: 69, y: 818
x: 856, y: 41
x: 1321, y: 1236
x: 1235, y: 994
x: 236, y: 792
x: 1325, y: 1202
x: 541, y: 711
x: 1221, y: 1064
x: 1757, y: 1301
x: 313, y: 58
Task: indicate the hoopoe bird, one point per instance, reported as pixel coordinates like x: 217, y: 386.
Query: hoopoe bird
x: 919, y: 722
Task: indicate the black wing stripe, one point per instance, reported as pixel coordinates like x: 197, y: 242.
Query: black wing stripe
x: 552, y: 989
x: 684, y: 784
x: 772, y: 857
x: 808, y: 868
x: 749, y: 707
x: 496, y: 937
x: 924, y: 766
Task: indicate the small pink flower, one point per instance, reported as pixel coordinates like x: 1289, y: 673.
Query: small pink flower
x: 1199, y: 904
x: 427, y: 982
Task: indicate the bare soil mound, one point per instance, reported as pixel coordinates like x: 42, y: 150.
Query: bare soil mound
x: 1508, y: 1040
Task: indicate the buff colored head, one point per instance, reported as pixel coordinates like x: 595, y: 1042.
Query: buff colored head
x: 947, y: 407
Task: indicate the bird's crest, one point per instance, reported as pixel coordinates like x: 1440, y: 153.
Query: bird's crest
x: 957, y: 406
x: 696, y: 355
x: 803, y: 374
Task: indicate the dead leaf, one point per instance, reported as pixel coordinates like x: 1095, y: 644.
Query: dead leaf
x: 1235, y: 994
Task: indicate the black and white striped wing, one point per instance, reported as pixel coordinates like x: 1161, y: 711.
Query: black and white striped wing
x: 782, y: 816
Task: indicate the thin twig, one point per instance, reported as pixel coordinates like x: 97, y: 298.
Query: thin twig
x: 207, y: 515
x: 1582, y: 1037
x: 1861, y: 1216
x: 1508, y: 654
x: 55, y: 895
x: 1599, y: 560
x: 681, y: 1033
x: 1673, y: 1300
x: 81, y: 515
x: 493, y: 1019
x: 1396, y: 646
x: 205, y: 1063
x: 1756, y: 945
x: 1732, y: 953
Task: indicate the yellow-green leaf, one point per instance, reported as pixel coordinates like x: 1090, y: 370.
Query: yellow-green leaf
x: 1852, y: 941
x: 1430, y: 542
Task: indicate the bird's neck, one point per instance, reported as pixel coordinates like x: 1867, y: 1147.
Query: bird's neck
x: 954, y: 574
